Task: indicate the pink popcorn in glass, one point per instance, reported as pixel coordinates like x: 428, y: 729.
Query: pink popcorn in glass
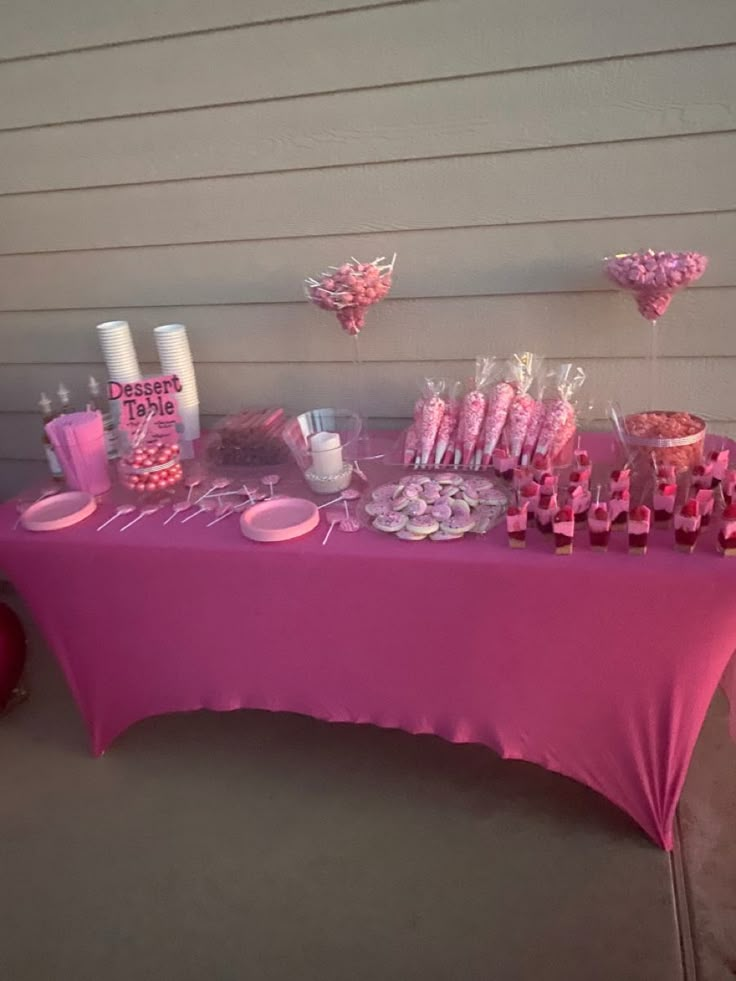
x: 671, y: 438
x: 653, y: 277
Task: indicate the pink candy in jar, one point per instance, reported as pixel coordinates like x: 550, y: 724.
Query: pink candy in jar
x: 151, y: 468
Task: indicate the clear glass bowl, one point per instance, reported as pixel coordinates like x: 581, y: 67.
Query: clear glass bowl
x: 327, y: 468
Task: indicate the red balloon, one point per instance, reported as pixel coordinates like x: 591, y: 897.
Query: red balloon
x: 12, y: 653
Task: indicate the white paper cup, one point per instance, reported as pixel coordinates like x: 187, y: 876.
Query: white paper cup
x: 190, y: 420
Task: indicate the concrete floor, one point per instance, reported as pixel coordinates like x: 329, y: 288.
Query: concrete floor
x: 210, y: 847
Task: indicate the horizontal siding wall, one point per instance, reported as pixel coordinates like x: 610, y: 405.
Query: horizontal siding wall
x: 193, y: 162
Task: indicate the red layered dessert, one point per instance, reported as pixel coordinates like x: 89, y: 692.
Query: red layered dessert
x: 580, y: 499
x: 687, y: 527
x: 516, y: 523
x: 639, y: 524
x: 702, y: 476
x: 718, y: 459
x: 727, y: 532
x: 522, y: 476
x: 564, y: 529
x: 529, y: 495
x: 706, y: 500
x: 583, y: 471
x: 664, y: 504
x: 618, y: 509
x: 666, y: 473
x: 729, y: 486
x: 503, y: 463
x: 546, y: 508
x: 599, y: 528
x: 540, y: 466
x: 620, y: 481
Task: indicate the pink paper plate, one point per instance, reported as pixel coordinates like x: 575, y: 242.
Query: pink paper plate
x: 59, y: 511
x: 279, y: 519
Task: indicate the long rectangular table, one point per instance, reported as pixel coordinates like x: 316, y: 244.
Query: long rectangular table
x: 597, y: 666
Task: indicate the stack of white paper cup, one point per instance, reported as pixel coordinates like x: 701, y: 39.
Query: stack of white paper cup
x: 176, y: 359
x: 118, y: 351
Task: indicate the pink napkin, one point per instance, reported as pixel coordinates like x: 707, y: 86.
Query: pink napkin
x: 79, y: 441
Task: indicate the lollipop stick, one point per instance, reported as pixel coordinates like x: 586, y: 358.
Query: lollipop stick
x: 136, y: 518
x: 335, y: 500
x: 598, y: 495
x: 329, y: 532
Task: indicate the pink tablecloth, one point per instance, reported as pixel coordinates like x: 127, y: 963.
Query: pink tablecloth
x: 600, y: 667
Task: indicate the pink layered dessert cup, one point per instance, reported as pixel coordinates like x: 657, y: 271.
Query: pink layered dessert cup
x: 719, y: 459
x: 687, y: 527
x: 582, y: 460
x: 664, y: 500
x: 503, y: 464
x: 580, y: 498
x: 540, y: 466
x: 564, y: 529
x: 620, y: 481
x: 546, y: 509
x: 727, y: 532
x: 580, y: 478
x: 599, y: 528
x: 640, y: 519
x: 529, y: 495
x: 618, y: 509
x: 706, y: 499
x: 516, y: 524
x: 702, y: 476
x: 522, y: 476
x: 729, y: 486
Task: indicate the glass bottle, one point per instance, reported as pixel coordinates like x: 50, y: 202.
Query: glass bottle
x: 64, y: 399
x: 51, y: 457
x: 96, y: 404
